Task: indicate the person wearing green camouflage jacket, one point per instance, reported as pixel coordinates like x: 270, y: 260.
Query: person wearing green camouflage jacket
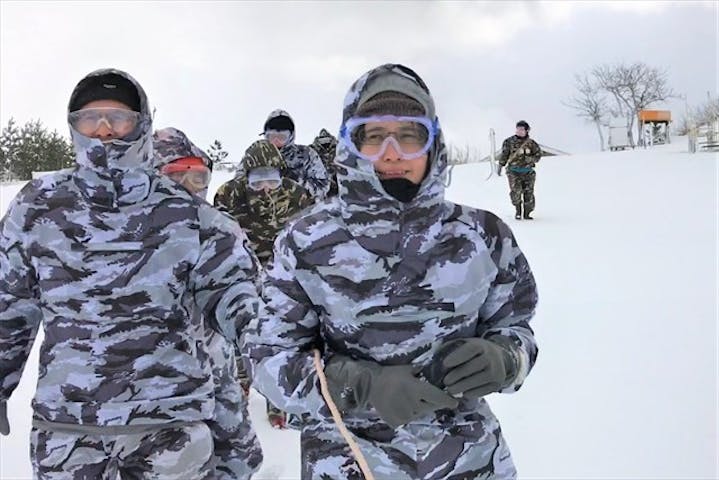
x: 325, y: 144
x: 519, y: 155
x: 111, y: 259
x: 420, y: 307
x: 262, y: 211
x: 237, y: 454
x: 262, y: 208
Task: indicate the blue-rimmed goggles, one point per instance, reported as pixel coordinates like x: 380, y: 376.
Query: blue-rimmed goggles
x: 369, y: 137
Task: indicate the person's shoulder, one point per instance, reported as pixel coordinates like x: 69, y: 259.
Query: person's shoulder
x: 214, y: 219
x: 299, y: 150
x: 233, y: 186
x: 52, y: 192
x: 39, y: 190
x: 294, y: 194
x: 235, y: 182
x: 485, y: 223
x: 315, y: 223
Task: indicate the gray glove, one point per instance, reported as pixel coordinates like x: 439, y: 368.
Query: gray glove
x: 394, y: 391
x: 499, y: 170
x: 473, y: 367
x: 4, y: 424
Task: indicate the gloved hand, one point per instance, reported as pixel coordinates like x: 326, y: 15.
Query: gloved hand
x: 499, y: 170
x: 394, y: 391
x: 473, y: 367
x: 4, y: 424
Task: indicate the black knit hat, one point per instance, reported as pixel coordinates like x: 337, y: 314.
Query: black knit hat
x: 105, y: 87
x: 522, y: 123
x: 280, y: 123
x: 390, y: 103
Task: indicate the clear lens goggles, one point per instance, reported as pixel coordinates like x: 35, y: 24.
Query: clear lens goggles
x: 278, y: 135
x: 117, y: 119
x: 369, y: 137
x: 264, y: 177
x: 192, y: 177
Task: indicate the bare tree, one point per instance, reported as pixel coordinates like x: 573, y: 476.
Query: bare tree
x: 707, y: 113
x: 702, y: 115
x: 589, y: 103
x: 218, y: 155
x: 634, y: 87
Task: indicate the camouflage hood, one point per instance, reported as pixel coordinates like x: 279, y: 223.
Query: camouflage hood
x: 281, y: 113
x: 371, y: 214
x: 262, y: 154
x: 324, y: 143
x: 170, y: 144
x: 116, y: 173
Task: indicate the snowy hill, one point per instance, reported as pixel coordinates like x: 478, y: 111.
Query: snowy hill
x: 624, y: 248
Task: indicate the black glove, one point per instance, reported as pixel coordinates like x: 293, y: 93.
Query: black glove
x: 499, y: 170
x: 394, y: 391
x: 4, y: 424
x: 473, y: 367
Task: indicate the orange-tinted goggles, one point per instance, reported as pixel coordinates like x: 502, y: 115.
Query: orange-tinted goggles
x: 191, y: 172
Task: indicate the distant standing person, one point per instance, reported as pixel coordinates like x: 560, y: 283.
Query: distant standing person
x: 325, y: 145
x: 262, y: 199
x: 519, y: 155
x: 304, y: 165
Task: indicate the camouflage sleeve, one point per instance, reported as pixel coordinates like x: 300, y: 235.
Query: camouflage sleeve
x: 536, y: 152
x: 317, y: 182
x: 278, y: 345
x: 230, y: 199
x: 504, y: 156
x: 20, y: 313
x: 225, y: 197
x: 300, y: 197
x: 224, y: 279
x: 511, y: 300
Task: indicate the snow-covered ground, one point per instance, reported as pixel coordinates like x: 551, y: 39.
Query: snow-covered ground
x: 624, y: 248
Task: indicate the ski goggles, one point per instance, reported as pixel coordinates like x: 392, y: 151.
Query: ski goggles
x: 261, y: 178
x: 118, y: 120
x: 369, y: 137
x: 190, y: 172
x: 281, y: 136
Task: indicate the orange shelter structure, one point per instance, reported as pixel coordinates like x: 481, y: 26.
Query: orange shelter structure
x: 656, y: 122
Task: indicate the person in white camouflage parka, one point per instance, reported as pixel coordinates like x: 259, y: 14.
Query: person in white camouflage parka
x: 112, y: 259
x: 237, y: 454
x: 304, y: 165
x: 420, y: 306
x: 325, y: 144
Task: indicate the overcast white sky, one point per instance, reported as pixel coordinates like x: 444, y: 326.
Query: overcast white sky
x: 216, y: 69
